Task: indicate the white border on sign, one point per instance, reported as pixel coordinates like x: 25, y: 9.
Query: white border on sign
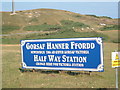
x: 97, y: 39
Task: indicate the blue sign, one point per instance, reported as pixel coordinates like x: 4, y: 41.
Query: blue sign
x: 82, y: 54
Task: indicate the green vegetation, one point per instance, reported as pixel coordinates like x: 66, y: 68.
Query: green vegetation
x: 105, y: 17
x: 66, y: 30
x: 116, y: 41
x: 100, y: 16
x: 43, y: 27
x: 113, y: 27
x: 93, y: 16
x: 70, y: 23
x: 73, y: 34
x: 66, y: 24
x: 8, y: 29
x: 66, y: 33
x: 12, y: 77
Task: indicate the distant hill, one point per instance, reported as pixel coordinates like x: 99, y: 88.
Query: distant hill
x: 52, y: 16
x: 59, y: 23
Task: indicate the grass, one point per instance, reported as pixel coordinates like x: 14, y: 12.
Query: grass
x: 50, y: 16
x: 7, y: 29
x: 13, y: 78
x: 65, y: 33
x: 113, y: 27
x: 63, y: 23
x: 70, y: 23
x: 77, y: 16
x: 34, y: 20
x: 73, y: 34
x: 66, y: 24
x: 116, y: 41
x: 43, y: 27
x: 112, y: 35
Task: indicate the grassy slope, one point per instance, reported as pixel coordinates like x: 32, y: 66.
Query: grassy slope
x: 39, y: 17
x: 51, y: 16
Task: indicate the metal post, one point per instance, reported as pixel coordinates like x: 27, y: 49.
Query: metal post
x: 13, y: 7
x: 116, y: 78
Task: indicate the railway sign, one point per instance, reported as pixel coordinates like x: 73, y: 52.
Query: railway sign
x: 84, y: 54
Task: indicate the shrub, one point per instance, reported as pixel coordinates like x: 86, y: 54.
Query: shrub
x: 113, y: 27
x: 93, y: 16
x: 99, y: 16
x: 105, y: 17
x: 70, y: 23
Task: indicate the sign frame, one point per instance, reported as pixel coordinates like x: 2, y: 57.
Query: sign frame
x: 100, y: 67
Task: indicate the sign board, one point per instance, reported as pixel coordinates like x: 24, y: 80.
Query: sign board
x: 115, y: 59
x: 84, y: 54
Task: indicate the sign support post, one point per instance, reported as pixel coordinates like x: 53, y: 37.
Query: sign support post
x: 116, y: 78
x: 116, y: 64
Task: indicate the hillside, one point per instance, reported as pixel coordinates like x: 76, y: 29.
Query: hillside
x: 52, y: 23
x: 52, y: 16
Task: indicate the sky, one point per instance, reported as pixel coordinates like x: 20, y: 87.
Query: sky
x: 109, y: 9
x: 61, y: 0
